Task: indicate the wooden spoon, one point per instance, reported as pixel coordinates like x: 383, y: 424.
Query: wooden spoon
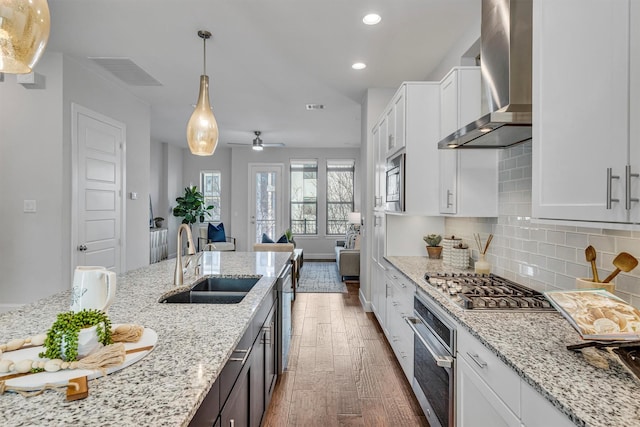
x: 590, y: 253
x: 623, y: 262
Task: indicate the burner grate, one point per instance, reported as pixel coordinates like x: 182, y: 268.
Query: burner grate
x: 488, y: 292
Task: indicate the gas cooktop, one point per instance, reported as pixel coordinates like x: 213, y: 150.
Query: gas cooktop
x: 488, y: 292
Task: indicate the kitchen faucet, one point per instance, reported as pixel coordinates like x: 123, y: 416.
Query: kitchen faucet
x: 178, y: 275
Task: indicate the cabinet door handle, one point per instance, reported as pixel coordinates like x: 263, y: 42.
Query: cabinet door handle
x: 244, y: 359
x: 481, y: 363
x: 449, y: 202
x: 610, y: 178
x: 628, y: 199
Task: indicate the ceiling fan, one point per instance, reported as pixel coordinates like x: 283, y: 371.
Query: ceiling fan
x: 257, y: 143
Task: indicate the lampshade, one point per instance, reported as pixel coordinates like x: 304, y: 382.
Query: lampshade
x: 202, y: 129
x: 354, y: 218
x: 24, y: 32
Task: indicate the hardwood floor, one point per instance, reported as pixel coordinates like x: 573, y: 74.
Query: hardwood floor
x: 341, y: 370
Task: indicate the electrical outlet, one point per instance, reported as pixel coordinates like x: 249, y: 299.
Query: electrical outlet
x: 29, y: 206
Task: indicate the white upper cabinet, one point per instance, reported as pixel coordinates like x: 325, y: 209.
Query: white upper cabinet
x: 583, y: 97
x: 396, y: 123
x: 410, y: 124
x: 634, y: 111
x: 468, y: 178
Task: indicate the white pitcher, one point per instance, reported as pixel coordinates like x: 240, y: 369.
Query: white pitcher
x: 93, y: 288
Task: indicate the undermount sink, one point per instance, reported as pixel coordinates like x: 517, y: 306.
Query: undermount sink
x: 215, y: 290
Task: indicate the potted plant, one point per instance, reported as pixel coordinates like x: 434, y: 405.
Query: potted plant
x: 192, y: 207
x: 433, y: 248
x: 76, y: 334
x: 289, y: 235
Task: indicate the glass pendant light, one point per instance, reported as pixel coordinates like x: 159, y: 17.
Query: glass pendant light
x: 24, y: 32
x: 202, y: 129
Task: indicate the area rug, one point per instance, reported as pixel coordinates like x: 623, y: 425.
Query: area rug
x: 320, y: 277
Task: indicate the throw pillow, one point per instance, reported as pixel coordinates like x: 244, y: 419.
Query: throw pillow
x: 215, y: 233
x: 350, y: 239
x: 266, y: 239
x: 283, y: 239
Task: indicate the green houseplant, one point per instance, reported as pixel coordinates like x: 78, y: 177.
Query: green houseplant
x: 289, y: 235
x: 191, y: 207
x: 433, y: 245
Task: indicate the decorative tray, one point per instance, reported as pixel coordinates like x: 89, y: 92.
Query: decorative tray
x: 62, y: 377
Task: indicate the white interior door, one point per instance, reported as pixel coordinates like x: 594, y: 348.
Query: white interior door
x: 265, y: 201
x: 98, y: 145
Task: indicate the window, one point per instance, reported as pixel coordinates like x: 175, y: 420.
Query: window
x: 210, y: 185
x: 340, y: 175
x: 304, y: 197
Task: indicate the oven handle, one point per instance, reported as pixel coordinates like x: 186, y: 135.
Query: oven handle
x: 442, y: 361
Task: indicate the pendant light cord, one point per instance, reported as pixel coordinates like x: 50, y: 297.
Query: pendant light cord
x: 204, y: 48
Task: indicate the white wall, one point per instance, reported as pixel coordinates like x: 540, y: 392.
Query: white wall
x: 31, y: 167
x: 320, y: 246
x: 36, y: 260
x: 173, y: 161
x: 463, y: 52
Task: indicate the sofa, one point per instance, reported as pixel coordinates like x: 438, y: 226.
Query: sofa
x: 348, y: 256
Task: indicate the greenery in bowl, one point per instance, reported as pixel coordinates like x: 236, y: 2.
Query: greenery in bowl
x: 432, y: 239
x: 67, y: 327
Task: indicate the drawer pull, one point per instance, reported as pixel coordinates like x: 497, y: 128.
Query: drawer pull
x: 244, y: 359
x: 481, y: 363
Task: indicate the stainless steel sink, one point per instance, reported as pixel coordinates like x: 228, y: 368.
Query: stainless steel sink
x: 214, y: 290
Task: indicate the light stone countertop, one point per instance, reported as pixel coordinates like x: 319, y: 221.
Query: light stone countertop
x: 166, y: 387
x: 534, y: 346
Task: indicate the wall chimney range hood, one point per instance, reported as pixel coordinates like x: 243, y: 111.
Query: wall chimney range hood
x: 506, y: 63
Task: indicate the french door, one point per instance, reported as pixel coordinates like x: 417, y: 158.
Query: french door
x: 265, y: 201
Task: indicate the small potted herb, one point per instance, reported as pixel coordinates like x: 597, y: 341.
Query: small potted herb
x: 76, y: 334
x: 433, y: 248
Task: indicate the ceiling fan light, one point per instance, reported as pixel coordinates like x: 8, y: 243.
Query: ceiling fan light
x: 202, y: 128
x: 257, y: 147
x: 24, y: 32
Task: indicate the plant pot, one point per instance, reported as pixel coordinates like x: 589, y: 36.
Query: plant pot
x: 434, y: 252
x: 158, y: 223
x: 88, y: 342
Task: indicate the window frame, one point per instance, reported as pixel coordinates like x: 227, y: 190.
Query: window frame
x: 303, y: 203
x: 350, y: 166
x: 217, y: 210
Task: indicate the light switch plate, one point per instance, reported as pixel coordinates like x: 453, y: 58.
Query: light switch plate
x: 30, y: 206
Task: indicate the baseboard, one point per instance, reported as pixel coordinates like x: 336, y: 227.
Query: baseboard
x: 8, y: 307
x: 366, y: 305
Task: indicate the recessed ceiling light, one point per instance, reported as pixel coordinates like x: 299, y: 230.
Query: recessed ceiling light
x: 359, y: 66
x: 372, y: 19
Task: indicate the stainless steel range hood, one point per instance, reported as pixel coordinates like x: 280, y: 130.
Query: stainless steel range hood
x: 506, y: 62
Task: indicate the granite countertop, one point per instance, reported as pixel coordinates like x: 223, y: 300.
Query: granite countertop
x: 166, y: 387
x: 534, y: 346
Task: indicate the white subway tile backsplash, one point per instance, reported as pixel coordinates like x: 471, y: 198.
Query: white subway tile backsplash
x: 557, y: 237
x: 547, y: 249
x: 544, y: 256
x: 577, y: 240
x: 628, y: 245
x: 557, y: 265
x: 602, y: 243
x: 566, y: 253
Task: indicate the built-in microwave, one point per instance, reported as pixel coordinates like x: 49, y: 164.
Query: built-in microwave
x: 395, y: 183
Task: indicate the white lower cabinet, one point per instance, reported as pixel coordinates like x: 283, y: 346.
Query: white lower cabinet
x: 400, y: 293
x: 477, y: 405
x: 491, y: 394
x: 539, y: 412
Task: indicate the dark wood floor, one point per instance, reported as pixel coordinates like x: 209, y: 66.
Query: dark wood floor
x: 341, y: 369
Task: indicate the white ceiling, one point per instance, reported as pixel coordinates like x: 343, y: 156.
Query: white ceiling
x: 267, y: 58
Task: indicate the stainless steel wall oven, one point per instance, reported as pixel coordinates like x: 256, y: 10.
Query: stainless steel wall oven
x: 434, y: 362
